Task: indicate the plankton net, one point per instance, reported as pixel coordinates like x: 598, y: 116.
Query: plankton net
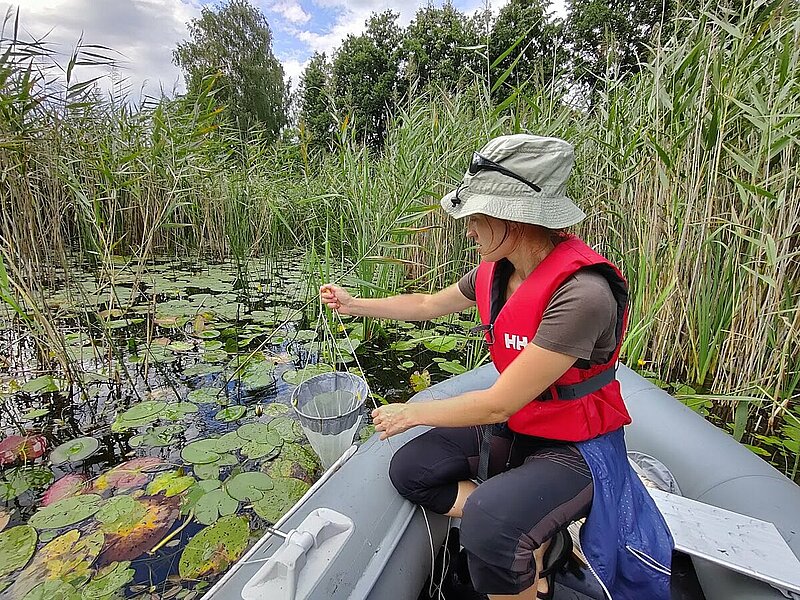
x: 329, y: 409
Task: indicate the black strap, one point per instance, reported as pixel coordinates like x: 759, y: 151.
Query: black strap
x: 584, y: 388
x: 487, y: 432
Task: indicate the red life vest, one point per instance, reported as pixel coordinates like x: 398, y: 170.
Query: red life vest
x: 585, y: 415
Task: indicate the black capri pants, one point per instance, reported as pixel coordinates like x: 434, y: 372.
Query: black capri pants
x: 535, y: 487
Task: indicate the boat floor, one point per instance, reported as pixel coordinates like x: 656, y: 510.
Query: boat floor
x: 455, y: 584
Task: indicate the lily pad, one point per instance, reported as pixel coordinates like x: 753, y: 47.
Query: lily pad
x: 202, y: 369
x: 131, y: 474
x: 200, y: 452
x: 52, y: 590
x: 75, y: 450
x: 229, y: 442
x: 210, y: 501
x: 215, y: 548
x: 142, y: 413
x: 129, y: 537
x: 299, y: 376
x: 35, y: 413
x: 179, y: 346
x: 275, y: 409
x: 108, y: 580
x: 19, y: 480
x: 287, y: 428
x: 208, y: 395
x: 24, y: 448
x: 258, y: 375
x: 285, y: 493
x: 158, y: 437
x: 453, y: 367
x: 40, y: 385
x: 71, y: 484
x: 120, y: 513
x: 212, y: 470
x: 441, y: 344
x: 178, y: 410
x: 66, y: 512
x: 16, y: 548
x: 232, y: 413
x: 295, y: 461
x: 250, y: 486
x: 171, y: 483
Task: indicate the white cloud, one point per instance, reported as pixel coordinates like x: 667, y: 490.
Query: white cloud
x: 291, y: 10
x: 143, y: 32
x: 293, y: 68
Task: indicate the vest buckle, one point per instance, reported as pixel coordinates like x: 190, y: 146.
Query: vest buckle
x: 486, y: 330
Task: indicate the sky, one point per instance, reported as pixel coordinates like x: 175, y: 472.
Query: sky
x: 143, y: 33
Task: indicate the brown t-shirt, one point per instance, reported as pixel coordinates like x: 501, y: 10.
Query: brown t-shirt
x: 580, y: 319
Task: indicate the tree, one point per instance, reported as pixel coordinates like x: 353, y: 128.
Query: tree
x: 315, y: 106
x: 434, y: 47
x: 612, y: 34
x: 235, y: 46
x: 538, y: 55
x: 365, y: 75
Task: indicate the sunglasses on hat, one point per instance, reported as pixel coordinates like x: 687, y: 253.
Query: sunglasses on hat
x: 481, y: 163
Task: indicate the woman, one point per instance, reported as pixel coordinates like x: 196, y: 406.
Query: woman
x: 545, y: 442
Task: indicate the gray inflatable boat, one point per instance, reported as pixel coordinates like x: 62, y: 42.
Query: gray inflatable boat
x: 354, y: 537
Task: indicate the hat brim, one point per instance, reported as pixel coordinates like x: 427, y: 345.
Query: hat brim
x: 552, y: 212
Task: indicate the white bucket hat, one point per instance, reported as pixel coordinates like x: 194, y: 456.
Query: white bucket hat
x: 519, y: 178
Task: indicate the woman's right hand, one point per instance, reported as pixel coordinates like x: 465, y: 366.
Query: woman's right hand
x: 336, y: 298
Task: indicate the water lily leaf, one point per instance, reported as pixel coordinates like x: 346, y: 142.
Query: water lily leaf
x: 108, y: 580
x: 158, y: 437
x: 66, y: 512
x: 40, y: 385
x: 212, y: 470
x: 420, y: 381
x: 20, y: 480
x: 305, y: 335
x: 16, y: 548
x: 250, y: 486
x: 214, y: 356
x: 208, y: 334
x: 131, y: 474
x: 452, y: 366
x: 24, y: 448
x: 208, y: 395
x: 256, y: 432
x: 53, y: 590
x: 229, y: 442
x: 285, y: 493
x: 212, y: 345
x: 13, y: 487
x: 200, y: 452
x: 140, y: 414
x: 137, y: 529
x: 441, y: 344
x: 171, y: 483
x: 275, y: 409
x: 71, y: 484
x: 35, y: 413
x: 75, y: 450
x: 177, y: 410
x: 5, y: 517
x: 299, y: 376
x: 404, y: 345
x: 202, y: 369
x: 232, y: 413
x: 215, y: 548
x: 213, y: 505
x: 178, y: 346
x: 258, y: 375
x: 120, y: 513
x: 287, y: 428
x: 295, y: 461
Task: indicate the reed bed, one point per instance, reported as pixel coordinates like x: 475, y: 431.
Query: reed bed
x: 688, y: 172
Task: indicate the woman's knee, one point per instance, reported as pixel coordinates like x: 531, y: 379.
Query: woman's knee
x: 406, y: 474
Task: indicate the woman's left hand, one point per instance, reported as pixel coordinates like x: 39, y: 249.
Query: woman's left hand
x: 392, y: 419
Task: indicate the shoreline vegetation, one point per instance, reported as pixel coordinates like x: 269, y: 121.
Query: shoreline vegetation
x: 688, y: 171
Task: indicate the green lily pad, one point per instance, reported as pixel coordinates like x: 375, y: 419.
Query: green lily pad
x: 178, y: 410
x: 232, y: 413
x: 295, y: 461
x: 299, y: 376
x: 275, y: 409
x: 285, y: 493
x: 40, y: 385
x: 208, y: 395
x: 19, y: 480
x: 16, y: 548
x: 200, y: 452
x: 212, y: 470
x: 258, y: 375
x: 305, y: 335
x: 52, y: 590
x: 215, y: 548
x: 287, y: 428
x: 404, y: 345
x: 171, y: 483
x: 108, y: 580
x: 261, y: 440
x: 35, y: 413
x: 140, y: 414
x: 158, y: 437
x: 249, y: 487
x: 210, y: 501
x: 212, y: 345
x: 66, y: 512
x: 179, y: 346
x: 214, y: 356
x: 120, y: 513
x: 202, y: 369
x: 441, y: 344
x: 208, y: 334
x: 75, y: 450
x: 452, y: 366
x: 229, y: 442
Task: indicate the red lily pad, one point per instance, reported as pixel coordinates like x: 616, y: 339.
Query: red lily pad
x: 17, y: 447
x: 131, y: 474
x: 71, y: 484
x: 140, y: 525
